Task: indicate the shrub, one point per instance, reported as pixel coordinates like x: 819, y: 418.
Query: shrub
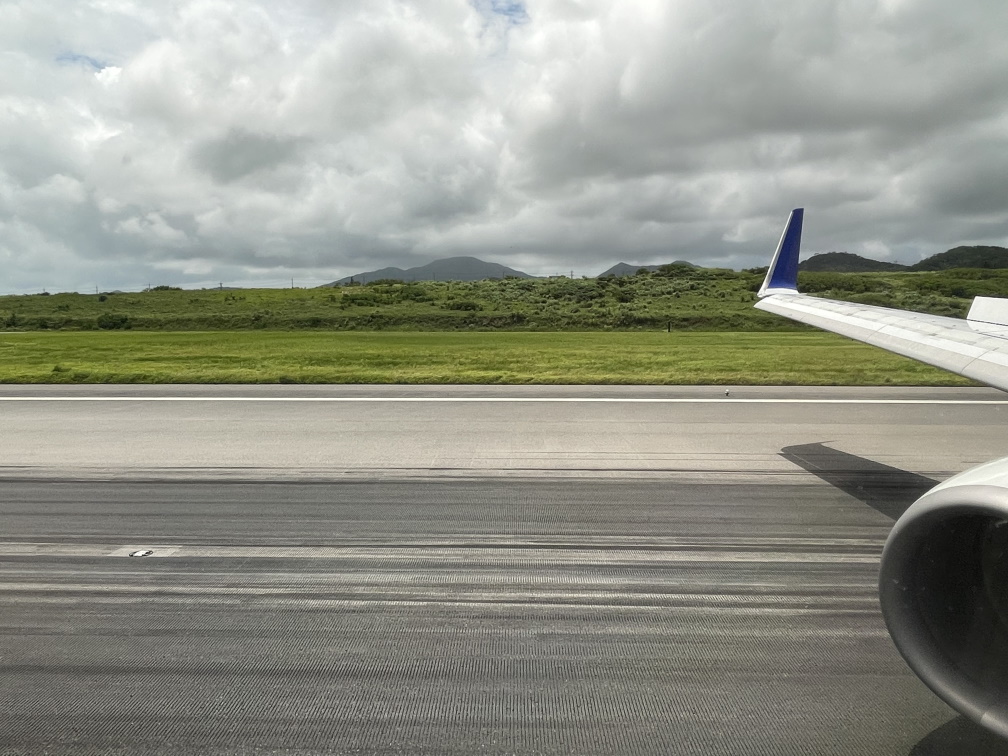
x: 463, y: 304
x: 111, y: 321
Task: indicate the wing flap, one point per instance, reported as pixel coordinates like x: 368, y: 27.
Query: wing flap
x: 989, y: 313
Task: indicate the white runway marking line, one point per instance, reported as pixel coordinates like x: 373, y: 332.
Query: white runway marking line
x: 505, y: 399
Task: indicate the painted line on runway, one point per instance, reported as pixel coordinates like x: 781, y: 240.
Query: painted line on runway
x: 500, y: 399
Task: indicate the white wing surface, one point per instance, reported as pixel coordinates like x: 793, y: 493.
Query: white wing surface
x: 976, y: 348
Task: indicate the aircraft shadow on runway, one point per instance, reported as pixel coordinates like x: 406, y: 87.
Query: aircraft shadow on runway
x: 885, y: 489
x: 890, y: 491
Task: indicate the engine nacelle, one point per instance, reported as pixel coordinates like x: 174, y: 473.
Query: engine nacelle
x: 943, y: 585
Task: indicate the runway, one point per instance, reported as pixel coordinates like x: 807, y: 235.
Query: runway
x: 500, y: 577
x: 399, y: 432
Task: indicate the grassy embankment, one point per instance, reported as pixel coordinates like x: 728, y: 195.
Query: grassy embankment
x: 591, y: 331
x: 705, y: 299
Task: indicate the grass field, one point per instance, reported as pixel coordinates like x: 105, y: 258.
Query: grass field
x: 684, y: 357
x: 557, y: 330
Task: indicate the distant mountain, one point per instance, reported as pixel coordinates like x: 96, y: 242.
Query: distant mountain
x: 449, y: 269
x: 957, y: 257
x: 845, y: 262
x: 965, y: 257
x: 625, y: 269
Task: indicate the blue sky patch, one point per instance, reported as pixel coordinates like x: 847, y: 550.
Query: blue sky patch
x: 79, y: 58
x: 512, y: 10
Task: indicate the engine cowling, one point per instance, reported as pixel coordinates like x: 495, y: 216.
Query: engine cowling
x: 943, y: 585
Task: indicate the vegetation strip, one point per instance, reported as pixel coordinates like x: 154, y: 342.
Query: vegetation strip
x: 675, y: 325
x: 656, y: 357
x: 674, y: 297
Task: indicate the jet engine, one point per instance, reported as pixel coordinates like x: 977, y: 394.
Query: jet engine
x: 943, y: 585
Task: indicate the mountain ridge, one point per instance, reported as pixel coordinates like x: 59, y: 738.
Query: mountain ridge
x: 846, y: 262
x: 626, y: 269
x: 976, y: 256
x: 467, y: 268
x: 964, y: 256
x: 462, y: 268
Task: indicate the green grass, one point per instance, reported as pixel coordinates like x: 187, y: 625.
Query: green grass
x: 557, y: 330
x: 691, y: 357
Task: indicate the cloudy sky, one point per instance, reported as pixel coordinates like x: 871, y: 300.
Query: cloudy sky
x: 189, y: 143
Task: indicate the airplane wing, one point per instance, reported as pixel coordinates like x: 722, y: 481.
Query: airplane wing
x: 976, y: 348
x: 944, y: 568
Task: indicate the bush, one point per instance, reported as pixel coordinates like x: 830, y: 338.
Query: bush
x: 111, y: 321
x: 464, y: 304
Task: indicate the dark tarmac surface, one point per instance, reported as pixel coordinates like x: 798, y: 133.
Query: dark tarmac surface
x: 459, y: 616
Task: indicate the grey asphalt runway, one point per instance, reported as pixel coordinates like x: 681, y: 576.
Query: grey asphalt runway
x: 466, y: 569
x: 336, y: 432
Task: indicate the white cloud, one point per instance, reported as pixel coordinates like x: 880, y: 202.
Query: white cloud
x: 254, y: 141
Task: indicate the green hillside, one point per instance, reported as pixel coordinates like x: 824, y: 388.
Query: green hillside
x: 674, y: 296
x: 846, y: 262
x: 965, y: 257
x: 958, y: 257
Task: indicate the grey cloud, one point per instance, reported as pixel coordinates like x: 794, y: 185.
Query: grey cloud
x: 239, y: 153
x: 255, y: 142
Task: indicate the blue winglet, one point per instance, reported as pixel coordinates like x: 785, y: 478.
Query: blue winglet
x: 783, y: 273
